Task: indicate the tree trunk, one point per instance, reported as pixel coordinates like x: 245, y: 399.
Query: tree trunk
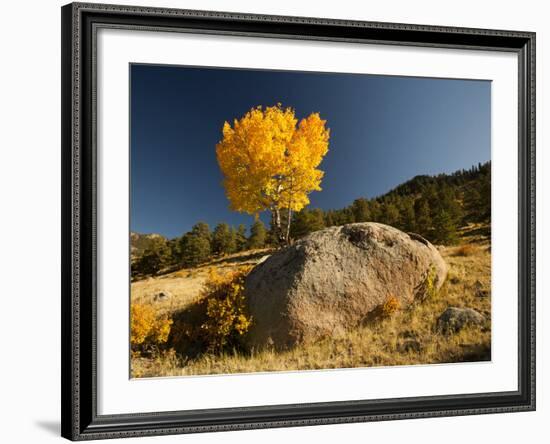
x: 278, y: 230
x: 289, y: 213
x: 287, y: 237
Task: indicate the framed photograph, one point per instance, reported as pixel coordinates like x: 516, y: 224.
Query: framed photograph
x: 281, y: 221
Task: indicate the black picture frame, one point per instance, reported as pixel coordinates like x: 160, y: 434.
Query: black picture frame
x: 80, y: 420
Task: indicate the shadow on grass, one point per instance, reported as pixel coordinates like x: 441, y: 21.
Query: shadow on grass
x: 185, y: 335
x: 476, y: 353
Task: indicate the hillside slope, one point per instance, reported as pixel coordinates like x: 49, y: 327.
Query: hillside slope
x: 409, y: 337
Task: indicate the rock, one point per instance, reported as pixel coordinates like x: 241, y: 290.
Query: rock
x: 454, y: 319
x: 161, y: 296
x: 331, y: 280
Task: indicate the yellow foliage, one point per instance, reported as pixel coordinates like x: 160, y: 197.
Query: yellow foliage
x: 390, y: 307
x: 431, y: 283
x: 226, y: 314
x: 269, y: 162
x: 146, y: 328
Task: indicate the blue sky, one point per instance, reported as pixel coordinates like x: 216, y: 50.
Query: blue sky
x: 384, y: 131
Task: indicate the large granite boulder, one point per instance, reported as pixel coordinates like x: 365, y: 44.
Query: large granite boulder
x: 333, y: 279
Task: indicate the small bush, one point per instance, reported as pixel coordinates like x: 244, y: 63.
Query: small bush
x: 431, y: 284
x: 390, y: 307
x: 226, y: 317
x: 428, y: 287
x: 465, y: 250
x: 146, y: 328
x: 218, y: 320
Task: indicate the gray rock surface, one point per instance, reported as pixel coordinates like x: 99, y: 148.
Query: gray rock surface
x: 454, y: 319
x: 331, y: 280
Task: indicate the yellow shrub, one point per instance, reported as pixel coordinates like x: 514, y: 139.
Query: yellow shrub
x: 226, y: 316
x: 390, y: 307
x: 465, y: 250
x: 146, y: 328
x: 431, y: 284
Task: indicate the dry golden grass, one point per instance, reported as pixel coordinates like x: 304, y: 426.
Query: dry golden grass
x: 184, y: 286
x: 406, y: 337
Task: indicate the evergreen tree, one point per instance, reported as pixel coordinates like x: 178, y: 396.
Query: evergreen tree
x: 407, y: 218
x: 196, y: 246
x: 223, y: 239
x: 472, y: 198
x: 307, y: 221
x: 477, y: 197
x: 343, y: 216
x: 445, y: 230
x: 375, y: 211
x: 390, y: 214
x: 422, y: 217
x: 484, y: 203
x: 175, y: 250
x: 240, y: 238
x: 258, y: 235
x: 329, y: 219
x: 201, y: 229
x: 195, y: 249
x: 154, y: 258
x: 430, y: 194
x: 360, y: 210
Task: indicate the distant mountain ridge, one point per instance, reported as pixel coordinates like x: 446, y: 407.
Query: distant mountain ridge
x: 458, y: 179
x: 433, y: 206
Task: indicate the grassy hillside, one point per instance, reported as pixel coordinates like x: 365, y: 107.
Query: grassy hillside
x: 432, y: 206
x: 183, y: 287
x: 408, y: 337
